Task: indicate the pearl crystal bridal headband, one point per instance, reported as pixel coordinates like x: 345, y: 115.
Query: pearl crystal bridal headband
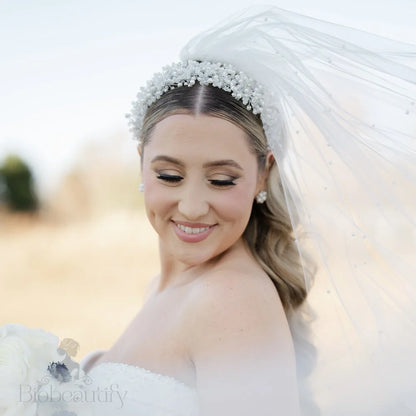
x: 338, y: 109
x: 223, y: 76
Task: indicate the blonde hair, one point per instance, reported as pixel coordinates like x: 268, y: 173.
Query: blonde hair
x: 269, y: 233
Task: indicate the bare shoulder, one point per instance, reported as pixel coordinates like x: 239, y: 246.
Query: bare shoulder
x: 226, y: 289
x: 150, y: 288
x: 236, y: 304
x: 241, y: 347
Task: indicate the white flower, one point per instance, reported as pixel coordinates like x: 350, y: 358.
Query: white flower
x: 25, y: 354
x: 68, y: 398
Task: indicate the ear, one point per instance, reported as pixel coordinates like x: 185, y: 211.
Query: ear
x: 269, y: 161
x: 139, y: 150
x: 261, y: 186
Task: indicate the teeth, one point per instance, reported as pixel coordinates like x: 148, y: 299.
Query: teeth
x: 191, y: 230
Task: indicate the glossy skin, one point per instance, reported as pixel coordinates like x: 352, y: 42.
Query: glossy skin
x: 198, y: 171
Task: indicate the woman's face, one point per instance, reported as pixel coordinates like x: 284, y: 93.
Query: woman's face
x: 200, y: 180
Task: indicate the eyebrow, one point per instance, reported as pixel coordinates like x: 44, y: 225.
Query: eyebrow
x: 224, y: 162
x: 164, y: 158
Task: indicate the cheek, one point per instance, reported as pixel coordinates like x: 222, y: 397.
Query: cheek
x: 156, y: 199
x: 235, y: 206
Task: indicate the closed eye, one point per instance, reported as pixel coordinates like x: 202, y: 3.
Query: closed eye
x: 169, y: 178
x: 217, y: 182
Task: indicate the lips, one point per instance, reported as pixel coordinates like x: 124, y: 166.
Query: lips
x: 192, y: 232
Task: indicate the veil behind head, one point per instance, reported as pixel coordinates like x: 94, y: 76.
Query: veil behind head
x: 341, y: 121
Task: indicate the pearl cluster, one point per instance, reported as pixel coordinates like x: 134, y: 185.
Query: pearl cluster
x: 261, y: 197
x: 180, y: 74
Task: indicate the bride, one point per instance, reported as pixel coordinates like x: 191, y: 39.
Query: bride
x: 226, y: 138
x: 213, y: 318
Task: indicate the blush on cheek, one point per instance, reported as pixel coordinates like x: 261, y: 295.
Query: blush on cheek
x: 235, y: 206
x: 157, y: 202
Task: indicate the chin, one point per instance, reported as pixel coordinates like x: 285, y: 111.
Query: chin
x: 195, y: 259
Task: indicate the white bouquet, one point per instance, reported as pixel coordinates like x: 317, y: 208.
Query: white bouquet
x: 37, y: 375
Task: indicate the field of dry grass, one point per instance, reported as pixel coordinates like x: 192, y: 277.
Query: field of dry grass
x: 77, y: 279
x: 80, y: 267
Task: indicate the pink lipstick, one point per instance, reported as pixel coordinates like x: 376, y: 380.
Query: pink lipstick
x: 192, y: 232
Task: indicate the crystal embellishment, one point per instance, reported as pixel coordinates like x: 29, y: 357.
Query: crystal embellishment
x: 261, y: 197
x: 220, y: 75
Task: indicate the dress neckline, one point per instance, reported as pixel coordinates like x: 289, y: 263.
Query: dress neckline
x: 143, y: 370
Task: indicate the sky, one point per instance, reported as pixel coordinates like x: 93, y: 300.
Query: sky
x: 69, y: 70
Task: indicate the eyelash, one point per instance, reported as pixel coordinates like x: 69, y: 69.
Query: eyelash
x: 170, y: 178
x: 222, y: 183
x: 176, y: 178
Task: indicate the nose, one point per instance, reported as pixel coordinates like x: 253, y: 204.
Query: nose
x: 193, y: 204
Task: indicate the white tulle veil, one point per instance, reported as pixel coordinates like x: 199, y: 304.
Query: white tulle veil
x: 343, y: 133
x: 345, y: 142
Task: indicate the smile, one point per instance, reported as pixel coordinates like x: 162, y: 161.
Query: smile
x: 192, y: 230
x: 194, y: 234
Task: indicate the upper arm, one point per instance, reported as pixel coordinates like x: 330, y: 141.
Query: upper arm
x: 242, y: 351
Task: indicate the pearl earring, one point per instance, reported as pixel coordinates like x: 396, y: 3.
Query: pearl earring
x: 141, y: 187
x: 261, y: 197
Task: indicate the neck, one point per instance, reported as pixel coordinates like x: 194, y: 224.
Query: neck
x: 175, y: 273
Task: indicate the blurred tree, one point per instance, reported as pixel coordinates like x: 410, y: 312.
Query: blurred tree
x: 16, y: 185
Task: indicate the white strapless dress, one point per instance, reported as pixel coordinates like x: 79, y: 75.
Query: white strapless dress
x: 127, y: 390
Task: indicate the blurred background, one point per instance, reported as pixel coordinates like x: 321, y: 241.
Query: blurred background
x: 76, y: 251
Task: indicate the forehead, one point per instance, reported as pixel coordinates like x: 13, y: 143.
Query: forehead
x: 198, y: 135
